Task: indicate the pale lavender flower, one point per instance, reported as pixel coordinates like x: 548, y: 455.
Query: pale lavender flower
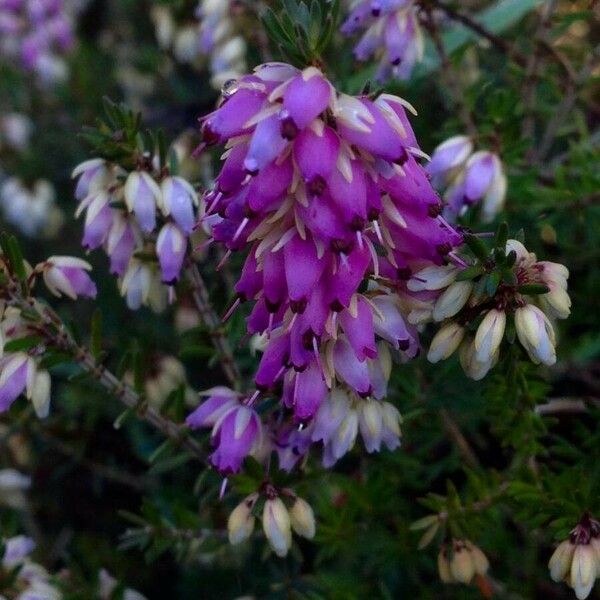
x: 68, y: 275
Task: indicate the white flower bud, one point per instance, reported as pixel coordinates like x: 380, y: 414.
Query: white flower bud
x: 462, y: 567
x: 432, y: 278
x: 303, y: 518
x: 480, y: 561
x: 583, y: 570
x: 560, y: 561
x: 40, y: 395
x: 452, y: 300
x: 277, y: 526
x: 493, y: 201
x: 474, y: 369
x: 240, y: 524
x: 536, y: 333
x: 445, y: 342
x: 489, y: 335
x: 444, y: 567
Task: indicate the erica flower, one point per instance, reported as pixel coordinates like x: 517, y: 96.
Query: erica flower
x: 236, y: 428
x: 470, y: 179
x: 240, y: 524
x: 392, y: 33
x: 576, y: 560
x: 171, y: 247
x: 19, y: 375
x: 461, y: 561
x: 142, y: 195
x: 68, y: 275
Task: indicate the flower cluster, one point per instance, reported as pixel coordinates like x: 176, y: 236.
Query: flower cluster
x: 325, y: 192
x: 530, y: 295
x: 31, y: 581
x: 277, y: 519
x: 21, y: 371
x: 33, y: 211
x: 470, y: 178
x: 461, y: 561
x: 37, y: 33
x: 212, y: 36
x: 391, y: 32
x: 142, y: 219
x: 577, y: 560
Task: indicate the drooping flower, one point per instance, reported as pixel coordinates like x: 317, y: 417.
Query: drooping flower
x: 469, y: 178
x: 461, y: 561
x: 68, y: 275
x: 576, y: 560
x: 237, y: 431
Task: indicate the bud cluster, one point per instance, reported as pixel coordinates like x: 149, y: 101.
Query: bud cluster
x: 21, y: 350
x: 37, y: 34
x: 142, y: 218
x: 505, y: 294
x: 577, y: 559
x: 469, y: 178
x: 391, y: 32
x: 212, y: 36
x: 460, y: 561
x: 278, y: 519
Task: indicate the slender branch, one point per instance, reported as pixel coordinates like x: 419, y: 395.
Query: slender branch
x: 459, y: 439
x: 57, y: 335
x: 211, y: 320
x: 567, y: 405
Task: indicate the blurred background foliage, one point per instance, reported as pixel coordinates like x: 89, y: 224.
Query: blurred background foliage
x: 120, y: 498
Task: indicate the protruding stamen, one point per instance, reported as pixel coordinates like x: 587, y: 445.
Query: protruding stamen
x: 223, y: 488
x: 231, y: 310
x: 239, y: 230
x: 223, y: 260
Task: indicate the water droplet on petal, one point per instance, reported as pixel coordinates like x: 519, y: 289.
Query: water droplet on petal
x: 230, y: 87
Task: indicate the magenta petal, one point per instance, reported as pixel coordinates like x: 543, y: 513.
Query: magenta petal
x: 275, y: 357
x: 210, y: 411
x: 232, y: 171
x: 303, y: 268
x: 315, y: 155
x: 251, y: 279
x: 344, y: 283
x: 310, y: 392
x: 13, y: 387
x: 479, y: 177
x: 234, y: 446
x: 80, y: 281
x: 350, y: 196
x: 230, y: 118
x: 265, y: 146
x: 268, y: 187
x: 304, y: 100
x: 274, y: 279
x: 349, y: 369
x: 359, y: 330
x: 382, y: 140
